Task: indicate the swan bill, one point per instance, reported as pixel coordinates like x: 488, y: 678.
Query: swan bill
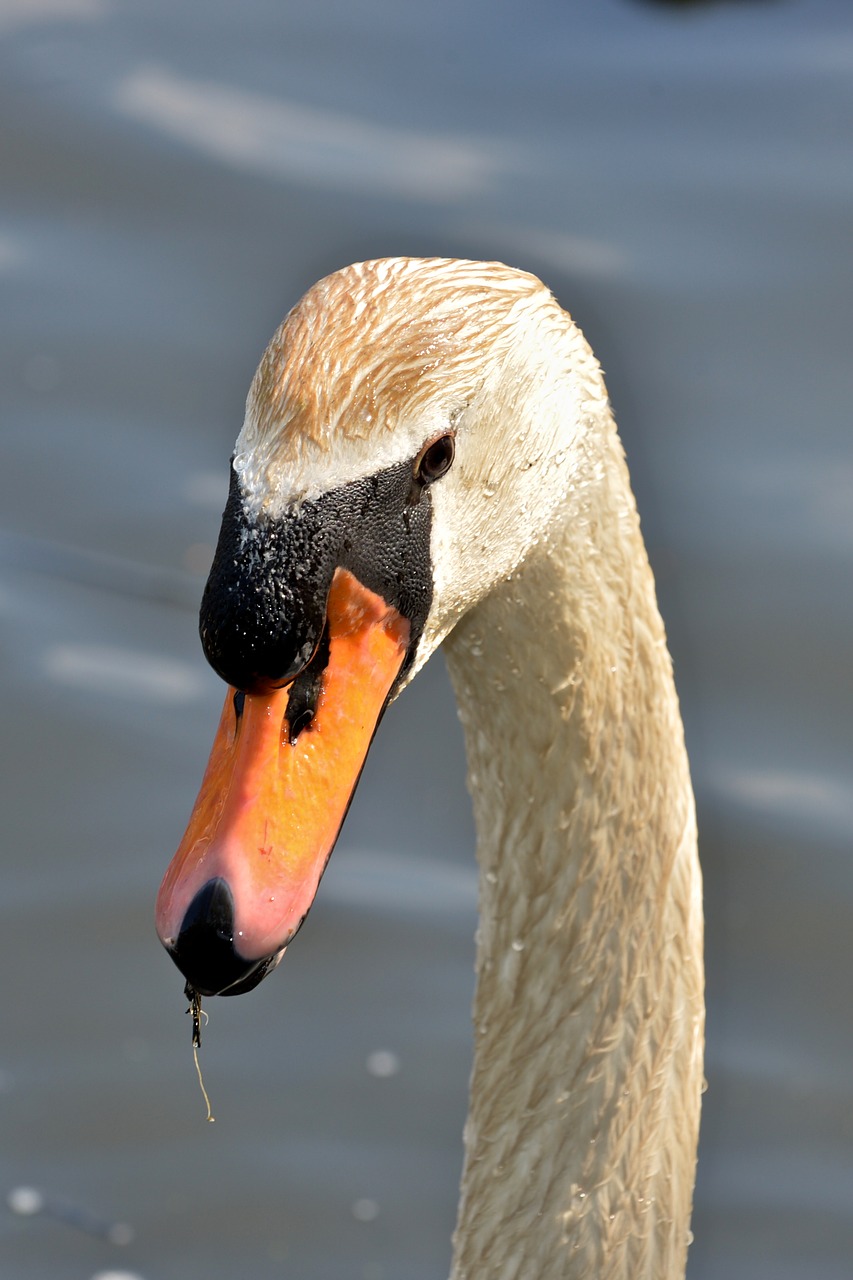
x: 312, y: 617
x: 281, y: 774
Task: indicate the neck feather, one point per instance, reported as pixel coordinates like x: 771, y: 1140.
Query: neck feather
x: 581, y: 1136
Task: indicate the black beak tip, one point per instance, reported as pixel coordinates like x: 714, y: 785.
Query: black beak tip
x: 204, y: 950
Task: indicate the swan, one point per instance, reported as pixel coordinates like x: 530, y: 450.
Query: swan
x: 428, y: 456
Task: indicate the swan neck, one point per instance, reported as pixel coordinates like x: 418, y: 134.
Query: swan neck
x: 582, y: 1129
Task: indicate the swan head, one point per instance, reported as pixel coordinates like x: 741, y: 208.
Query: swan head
x: 409, y: 434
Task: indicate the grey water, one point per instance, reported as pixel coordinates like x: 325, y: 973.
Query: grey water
x: 172, y: 177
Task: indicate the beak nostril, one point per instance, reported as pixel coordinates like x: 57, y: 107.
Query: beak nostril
x: 204, y: 949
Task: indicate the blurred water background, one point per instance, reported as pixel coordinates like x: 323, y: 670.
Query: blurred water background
x: 172, y: 177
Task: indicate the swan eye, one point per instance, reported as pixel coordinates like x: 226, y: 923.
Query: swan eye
x: 435, y: 460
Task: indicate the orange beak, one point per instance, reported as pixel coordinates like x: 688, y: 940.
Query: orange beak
x: 273, y: 799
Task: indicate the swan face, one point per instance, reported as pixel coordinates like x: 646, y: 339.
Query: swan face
x: 383, y: 357
x: 349, y: 548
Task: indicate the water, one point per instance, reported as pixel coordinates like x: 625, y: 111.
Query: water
x: 173, y: 177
